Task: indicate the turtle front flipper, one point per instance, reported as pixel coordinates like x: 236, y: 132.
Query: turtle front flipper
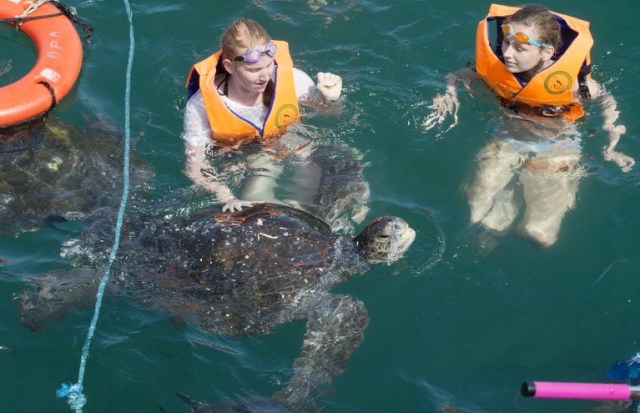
x: 55, y: 294
x: 335, y: 328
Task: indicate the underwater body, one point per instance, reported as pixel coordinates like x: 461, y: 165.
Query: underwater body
x: 462, y: 331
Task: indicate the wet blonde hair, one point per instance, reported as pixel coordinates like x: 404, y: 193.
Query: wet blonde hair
x: 240, y: 35
x: 542, y: 20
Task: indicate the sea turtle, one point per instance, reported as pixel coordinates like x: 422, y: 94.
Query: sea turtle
x: 53, y: 170
x: 236, y: 274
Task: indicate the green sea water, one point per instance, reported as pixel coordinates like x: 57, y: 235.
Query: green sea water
x: 462, y: 320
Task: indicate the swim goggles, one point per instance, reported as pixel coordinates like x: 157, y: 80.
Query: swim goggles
x: 521, y: 38
x: 254, y: 54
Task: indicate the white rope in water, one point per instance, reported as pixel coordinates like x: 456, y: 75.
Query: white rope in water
x: 73, y: 392
x: 33, y: 7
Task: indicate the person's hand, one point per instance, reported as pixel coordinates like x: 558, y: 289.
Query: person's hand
x: 329, y: 86
x: 625, y: 162
x: 235, y: 204
x: 443, y: 105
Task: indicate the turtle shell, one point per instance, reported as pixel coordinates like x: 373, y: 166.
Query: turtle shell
x: 233, y: 273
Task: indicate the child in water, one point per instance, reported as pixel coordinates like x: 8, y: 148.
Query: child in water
x: 248, y: 92
x: 541, y: 73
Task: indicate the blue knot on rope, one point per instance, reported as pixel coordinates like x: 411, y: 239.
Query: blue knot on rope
x: 73, y: 393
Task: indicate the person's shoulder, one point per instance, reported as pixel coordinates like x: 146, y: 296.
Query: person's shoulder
x: 301, y: 75
x: 196, y: 129
x: 305, y: 86
x: 195, y: 102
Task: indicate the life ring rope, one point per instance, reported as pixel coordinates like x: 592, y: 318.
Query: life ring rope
x: 19, y: 20
x: 65, y: 10
x: 33, y: 7
x: 51, y: 90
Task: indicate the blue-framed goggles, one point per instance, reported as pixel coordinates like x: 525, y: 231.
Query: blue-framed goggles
x: 254, y: 54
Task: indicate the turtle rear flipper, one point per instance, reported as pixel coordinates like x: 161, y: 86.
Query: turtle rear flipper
x: 250, y: 406
x: 55, y: 294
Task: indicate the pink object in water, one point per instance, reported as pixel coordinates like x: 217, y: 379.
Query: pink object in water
x: 560, y: 390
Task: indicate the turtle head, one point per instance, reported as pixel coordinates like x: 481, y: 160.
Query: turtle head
x: 385, y: 239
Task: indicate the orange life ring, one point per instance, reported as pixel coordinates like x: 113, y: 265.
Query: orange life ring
x: 56, y: 69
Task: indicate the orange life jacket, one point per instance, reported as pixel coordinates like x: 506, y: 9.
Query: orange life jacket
x: 551, y: 91
x: 229, y: 129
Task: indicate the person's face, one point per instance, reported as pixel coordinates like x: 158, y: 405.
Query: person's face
x: 251, y: 78
x: 524, y: 57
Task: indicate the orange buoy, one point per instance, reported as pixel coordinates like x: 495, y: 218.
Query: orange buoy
x: 56, y: 69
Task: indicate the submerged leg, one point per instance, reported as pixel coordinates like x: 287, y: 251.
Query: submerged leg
x: 265, y: 171
x: 490, y: 202
x: 549, y: 193
x: 335, y: 328
x: 306, y: 181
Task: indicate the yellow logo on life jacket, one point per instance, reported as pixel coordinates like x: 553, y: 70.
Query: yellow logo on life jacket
x: 286, y: 114
x: 557, y: 82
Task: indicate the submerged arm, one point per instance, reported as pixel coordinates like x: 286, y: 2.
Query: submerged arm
x: 610, y: 114
x: 196, y: 158
x: 448, y: 104
x: 197, y: 135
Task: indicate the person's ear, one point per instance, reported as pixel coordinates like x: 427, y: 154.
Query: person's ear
x: 547, y: 53
x: 229, y: 66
